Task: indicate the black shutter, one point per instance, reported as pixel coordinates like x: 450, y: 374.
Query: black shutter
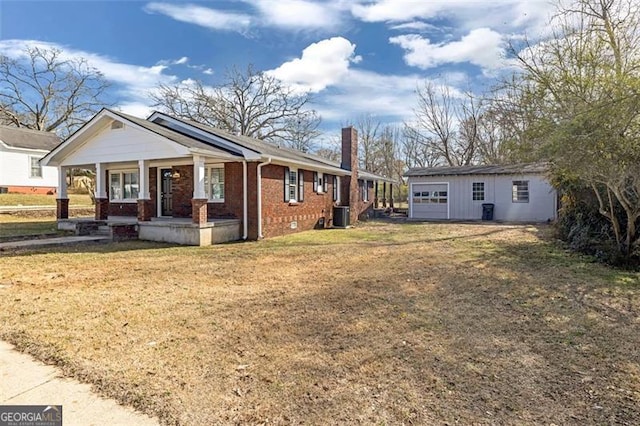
x: 286, y: 184
x: 315, y: 181
x: 300, y: 186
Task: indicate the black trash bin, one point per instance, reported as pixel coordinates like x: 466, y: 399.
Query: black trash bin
x: 487, y: 211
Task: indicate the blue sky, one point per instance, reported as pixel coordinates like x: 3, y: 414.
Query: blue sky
x: 355, y: 57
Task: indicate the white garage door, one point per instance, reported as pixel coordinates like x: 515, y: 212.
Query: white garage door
x: 430, y: 201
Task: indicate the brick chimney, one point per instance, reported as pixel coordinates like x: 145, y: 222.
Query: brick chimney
x: 350, y: 190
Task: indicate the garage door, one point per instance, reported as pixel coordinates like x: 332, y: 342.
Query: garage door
x: 430, y: 201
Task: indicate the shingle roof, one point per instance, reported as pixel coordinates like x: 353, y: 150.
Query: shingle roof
x: 268, y: 149
x: 511, y: 169
x: 19, y: 137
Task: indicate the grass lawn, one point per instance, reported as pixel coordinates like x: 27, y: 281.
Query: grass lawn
x: 42, y: 200
x: 23, y: 226
x: 381, y: 324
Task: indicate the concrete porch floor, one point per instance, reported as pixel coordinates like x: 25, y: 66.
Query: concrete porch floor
x: 169, y: 229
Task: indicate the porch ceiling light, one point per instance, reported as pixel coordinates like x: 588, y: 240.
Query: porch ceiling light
x: 175, y: 175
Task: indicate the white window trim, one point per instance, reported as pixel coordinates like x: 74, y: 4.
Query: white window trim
x: 294, y: 200
x: 122, y: 173
x: 484, y: 192
x: 31, y: 176
x: 208, y: 169
x: 514, y: 194
x: 336, y: 189
x: 320, y: 182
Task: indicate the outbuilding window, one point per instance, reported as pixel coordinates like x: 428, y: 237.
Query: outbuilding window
x: 364, y: 190
x: 520, y: 191
x: 477, y: 189
x: 336, y: 188
x: 124, y: 185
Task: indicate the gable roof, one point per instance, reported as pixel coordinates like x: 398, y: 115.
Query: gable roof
x: 267, y: 149
x: 19, y: 137
x: 511, y: 169
x: 206, y: 140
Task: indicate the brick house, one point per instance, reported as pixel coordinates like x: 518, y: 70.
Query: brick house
x: 175, y: 177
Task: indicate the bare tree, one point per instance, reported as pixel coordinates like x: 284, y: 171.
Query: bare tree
x: 301, y: 131
x: 249, y: 103
x: 46, y: 92
x: 416, y: 151
x: 448, y: 124
x: 369, y: 142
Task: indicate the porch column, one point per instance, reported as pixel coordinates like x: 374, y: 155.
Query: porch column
x: 199, y: 202
x: 375, y: 196
x: 102, y: 201
x: 391, y: 195
x: 144, y: 198
x: 62, y: 201
x: 384, y: 194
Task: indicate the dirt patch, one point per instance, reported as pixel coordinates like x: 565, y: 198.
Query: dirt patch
x: 385, y: 324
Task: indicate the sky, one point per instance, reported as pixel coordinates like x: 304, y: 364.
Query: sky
x: 356, y: 58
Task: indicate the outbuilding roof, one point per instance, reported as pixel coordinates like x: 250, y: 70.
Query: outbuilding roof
x: 20, y: 137
x: 509, y: 169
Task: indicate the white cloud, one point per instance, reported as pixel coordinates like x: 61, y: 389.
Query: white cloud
x: 296, y: 14
x: 203, y: 16
x: 398, y: 10
x: 322, y: 64
x: 208, y: 71
x: 137, y: 109
x: 133, y: 81
x: 416, y: 26
x: 366, y: 92
x: 483, y: 47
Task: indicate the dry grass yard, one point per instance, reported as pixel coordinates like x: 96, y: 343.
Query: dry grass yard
x: 381, y: 324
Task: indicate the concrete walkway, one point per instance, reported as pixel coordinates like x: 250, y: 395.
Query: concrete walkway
x: 52, y: 241
x: 25, y: 381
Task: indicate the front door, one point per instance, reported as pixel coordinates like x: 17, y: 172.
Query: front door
x: 166, y: 191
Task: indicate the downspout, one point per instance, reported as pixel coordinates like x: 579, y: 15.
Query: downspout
x: 260, y: 196
x: 245, y: 197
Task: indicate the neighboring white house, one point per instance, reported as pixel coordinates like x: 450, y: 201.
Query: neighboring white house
x: 20, y: 153
x: 519, y: 193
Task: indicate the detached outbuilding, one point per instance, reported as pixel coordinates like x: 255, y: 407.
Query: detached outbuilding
x: 514, y: 193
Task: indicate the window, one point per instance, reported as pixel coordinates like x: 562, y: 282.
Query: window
x: 293, y: 185
x: 325, y: 184
x: 36, y: 168
x: 319, y: 182
x: 520, y: 191
x: 336, y: 188
x: 433, y: 197
x: 477, y: 189
x: 124, y: 186
x: 214, y: 183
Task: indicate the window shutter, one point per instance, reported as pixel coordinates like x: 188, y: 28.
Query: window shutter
x: 335, y: 188
x: 315, y: 181
x: 286, y: 184
x: 325, y: 183
x: 300, y: 185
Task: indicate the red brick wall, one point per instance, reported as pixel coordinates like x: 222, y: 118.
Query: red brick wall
x: 153, y: 190
x: 123, y: 209
x: 182, y: 191
x: 277, y: 214
x: 232, y: 206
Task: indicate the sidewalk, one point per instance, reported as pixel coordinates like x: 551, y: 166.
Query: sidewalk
x: 25, y: 381
x: 52, y: 241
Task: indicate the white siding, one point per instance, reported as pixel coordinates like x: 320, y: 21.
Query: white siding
x: 541, y: 205
x: 127, y: 144
x: 15, y: 169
